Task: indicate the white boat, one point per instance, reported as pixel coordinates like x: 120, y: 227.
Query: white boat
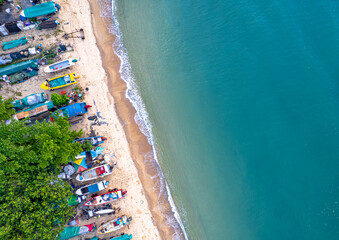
x: 60, y: 65
x: 108, y: 197
x: 92, y: 188
x: 94, y: 173
x: 97, y: 212
x: 114, y: 225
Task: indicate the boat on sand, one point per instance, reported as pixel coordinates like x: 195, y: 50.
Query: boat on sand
x: 92, y: 188
x: 59, y: 82
x: 30, y: 100
x: 114, y: 225
x: 106, y: 198
x: 93, y: 140
x: 70, y: 232
x: 122, y: 237
x: 60, y: 65
x: 94, y: 173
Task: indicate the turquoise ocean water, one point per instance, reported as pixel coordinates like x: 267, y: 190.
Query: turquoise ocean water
x: 242, y: 99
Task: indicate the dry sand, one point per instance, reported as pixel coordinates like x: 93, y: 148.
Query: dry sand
x: 98, y: 69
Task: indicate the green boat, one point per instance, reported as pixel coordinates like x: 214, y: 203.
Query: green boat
x: 30, y: 101
x: 34, y: 111
x: 70, y: 232
x: 122, y: 237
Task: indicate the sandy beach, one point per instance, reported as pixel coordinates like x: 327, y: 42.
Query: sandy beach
x: 98, y: 68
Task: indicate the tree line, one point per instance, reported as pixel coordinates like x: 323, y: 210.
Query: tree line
x: 33, y: 201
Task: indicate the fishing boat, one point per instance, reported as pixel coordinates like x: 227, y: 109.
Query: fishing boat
x: 72, y: 110
x: 94, y: 173
x: 106, y: 198
x: 60, y: 65
x: 30, y: 100
x: 92, y: 188
x: 98, y: 212
x: 70, y: 232
x: 59, y: 82
x: 34, y: 111
x: 114, y: 225
x: 95, y: 141
x: 122, y: 237
x: 91, y: 155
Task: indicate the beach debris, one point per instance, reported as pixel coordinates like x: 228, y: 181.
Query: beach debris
x: 95, y: 120
x: 76, y: 34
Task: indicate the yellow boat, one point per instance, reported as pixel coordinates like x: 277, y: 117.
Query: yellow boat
x: 59, y: 82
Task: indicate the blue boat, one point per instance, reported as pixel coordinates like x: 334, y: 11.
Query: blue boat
x: 92, y: 155
x: 95, y: 141
x: 92, y: 188
x: 73, y: 110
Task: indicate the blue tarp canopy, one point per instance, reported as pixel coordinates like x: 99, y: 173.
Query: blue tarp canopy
x: 14, y: 43
x: 93, y: 188
x: 122, y: 237
x: 39, y: 10
x: 17, y: 67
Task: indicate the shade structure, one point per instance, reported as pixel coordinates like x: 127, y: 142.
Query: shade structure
x: 17, y: 67
x: 39, y: 10
x: 80, y: 165
x: 14, y: 43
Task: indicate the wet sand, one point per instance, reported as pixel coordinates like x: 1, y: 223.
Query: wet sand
x: 141, y: 150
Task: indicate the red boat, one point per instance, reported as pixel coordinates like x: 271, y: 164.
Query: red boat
x: 106, y: 198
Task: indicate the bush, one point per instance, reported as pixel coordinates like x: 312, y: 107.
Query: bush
x: 6, y: 108
x: 86, y: 146
x: 59, y: 100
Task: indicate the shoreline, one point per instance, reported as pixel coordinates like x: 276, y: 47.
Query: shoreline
x: 140, y: 149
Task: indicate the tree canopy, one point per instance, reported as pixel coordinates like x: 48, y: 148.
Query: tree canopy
x: 6, y: 109
x: 33, y: 201
x: 59, y: 100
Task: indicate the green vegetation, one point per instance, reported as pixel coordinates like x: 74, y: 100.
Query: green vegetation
x: 6, y: 110
x: 86, y: 146
x: 33, y: 201
x: 59, y: 100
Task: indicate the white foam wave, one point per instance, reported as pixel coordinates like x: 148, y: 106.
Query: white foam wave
x: 141, y: 116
